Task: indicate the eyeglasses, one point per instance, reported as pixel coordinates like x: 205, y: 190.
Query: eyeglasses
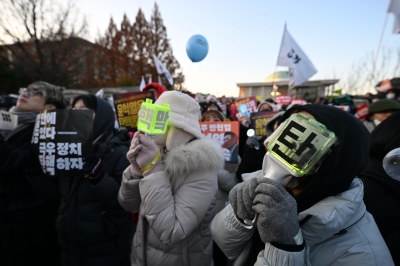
x: 29, y: 92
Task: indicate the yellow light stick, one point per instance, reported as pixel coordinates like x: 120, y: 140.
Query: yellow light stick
x: 153, y: 118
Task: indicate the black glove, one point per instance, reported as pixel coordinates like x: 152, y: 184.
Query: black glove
x: 93, y: 166
x: 277, y: 210
x: 252, y: 142
x: 241, y: 198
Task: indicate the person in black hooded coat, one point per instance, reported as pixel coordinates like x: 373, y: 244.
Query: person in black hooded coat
x: 381, y: 192
x: 93, y: 228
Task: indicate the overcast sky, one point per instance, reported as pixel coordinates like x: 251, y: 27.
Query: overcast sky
x: 244, y: 36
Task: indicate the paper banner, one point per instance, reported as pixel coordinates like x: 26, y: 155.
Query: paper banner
x: 259, y: 121
x: 127, y: 106
x: 62, y: 139
x: 225, y: 133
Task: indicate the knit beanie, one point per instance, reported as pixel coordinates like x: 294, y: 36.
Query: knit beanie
x: 211, y: 98
x: 214, y: 113
x: 267, y: 103
x: 184, y: 111
x: 383, y: 106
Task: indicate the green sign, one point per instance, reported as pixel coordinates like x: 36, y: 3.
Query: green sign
x: 153, y: 118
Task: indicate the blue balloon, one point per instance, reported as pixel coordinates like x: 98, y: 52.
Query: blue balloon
x: 197, y: 48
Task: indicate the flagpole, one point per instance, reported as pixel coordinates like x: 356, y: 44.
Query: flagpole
x: 290, y: 87
x: 276, y: 65
x: 379, y: 47
x: 379, y: 44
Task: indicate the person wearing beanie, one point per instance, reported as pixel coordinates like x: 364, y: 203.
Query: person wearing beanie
x: 213, y: 116
x: 90, y: 220
x: 208, y: 106
x: 381, y: 191
x: 27, y: 232
x: 318, y: 219
x: 156, y: 88
x: 172, y: 183
x: 265, y: 107
x: 211, y: 98
x: 379, y: 111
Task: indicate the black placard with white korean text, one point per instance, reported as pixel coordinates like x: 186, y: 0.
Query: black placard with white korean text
x: 62, y: 139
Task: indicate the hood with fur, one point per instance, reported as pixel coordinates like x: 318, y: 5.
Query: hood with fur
x: 194, y: 156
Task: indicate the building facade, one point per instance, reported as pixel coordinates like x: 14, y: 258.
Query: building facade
x: 277, y: 84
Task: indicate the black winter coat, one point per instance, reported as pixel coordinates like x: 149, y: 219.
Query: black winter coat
x: 93, y: 228
x: 27, y: 221
x: 252, y: 159
x: 382, y: 198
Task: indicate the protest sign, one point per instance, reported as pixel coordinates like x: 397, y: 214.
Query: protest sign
x: 299, y: 101
x: 225, y: 133
x: 283, y: 100
x: 127, y: 106
x: 259, y: 120
x: 8, y: 121
x: 62, y: 139
x: 362, y: 112
x: 250, y: 102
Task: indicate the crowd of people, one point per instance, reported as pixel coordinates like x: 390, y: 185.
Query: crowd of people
x: 321, y: 188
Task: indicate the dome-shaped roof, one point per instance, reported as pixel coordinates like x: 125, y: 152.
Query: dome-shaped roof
x: 278, y: 76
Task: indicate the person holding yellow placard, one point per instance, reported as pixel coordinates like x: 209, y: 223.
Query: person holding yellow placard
x: 305, y: 206
x: 172, y: 183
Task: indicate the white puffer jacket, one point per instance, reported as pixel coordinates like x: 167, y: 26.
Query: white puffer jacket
x: 339, y: 232
x: 175, y: 206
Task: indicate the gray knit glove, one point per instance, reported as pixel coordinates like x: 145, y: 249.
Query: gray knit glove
x: 277, y: 210
x: 241, y: 198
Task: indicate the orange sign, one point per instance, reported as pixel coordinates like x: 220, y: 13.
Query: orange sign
x: 225, y: 133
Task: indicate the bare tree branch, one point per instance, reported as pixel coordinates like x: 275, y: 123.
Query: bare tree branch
x: 43, y: 38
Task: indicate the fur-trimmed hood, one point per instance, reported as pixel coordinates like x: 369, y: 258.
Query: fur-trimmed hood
x: 194, y: 156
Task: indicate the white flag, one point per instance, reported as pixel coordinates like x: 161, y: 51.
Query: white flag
x: 291, y: 55
x: 100, y: 93
x: 394, y: 7
x: 142, y: 84
x: 161, y: 69
x: 150, y: 80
